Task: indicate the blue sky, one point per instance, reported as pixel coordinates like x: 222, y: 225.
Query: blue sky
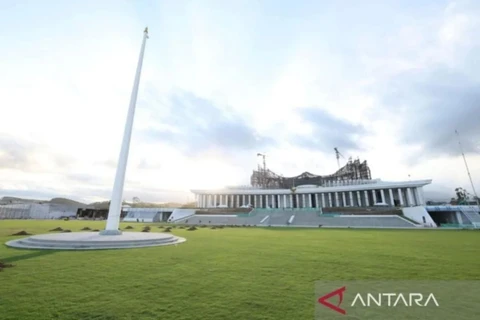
x: 386, y: 81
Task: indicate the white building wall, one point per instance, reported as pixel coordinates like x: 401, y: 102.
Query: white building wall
x: 418, y: 214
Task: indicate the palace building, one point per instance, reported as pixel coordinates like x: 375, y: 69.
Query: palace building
x: 350, y: 186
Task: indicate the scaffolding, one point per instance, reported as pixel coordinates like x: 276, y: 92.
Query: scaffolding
x: 353, y: 171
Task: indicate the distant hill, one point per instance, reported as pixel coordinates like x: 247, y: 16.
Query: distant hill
x: 66, y: 201
x: 101, y: 205
x: 53, y: 201
x: 155, y: 205
x: 15, y: 199
x: 189, y: 205
x: 104, y: 205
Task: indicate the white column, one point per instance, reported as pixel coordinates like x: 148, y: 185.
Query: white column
x: 273, y: 201
x: 410, y: 199
x: 237, y: 202
x: 304, y: 204
x: 323, y: 201
x: 232, y: 201
x: 243, y: 200
x: 359, y: 199
x: 382, y: 194
x: 367, y: 201
x: 284, y: 200
x: 351, y: 198
x: 416, y: 195
x: 459, y: 217
x: 261, y: 200
x: 330, y: 199
x: 317, y: 205
x: 421, y: 199
x: 374, y: 194
x: 337, y: 202
x: 215, y: 200
x: 390, y: 192
x: 344, y: 199
x: 310, y: 200
x: 400, y: 197
x: 298, y: 202
x: 291, y: 201
x: 115, y: 209
x: 255, y: 200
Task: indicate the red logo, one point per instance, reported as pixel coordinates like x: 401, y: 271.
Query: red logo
x: 339, y: 292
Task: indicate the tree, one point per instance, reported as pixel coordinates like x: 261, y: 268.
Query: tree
x: 462, y: 196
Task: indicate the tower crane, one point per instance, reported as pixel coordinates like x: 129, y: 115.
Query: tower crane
x: 338, y: 154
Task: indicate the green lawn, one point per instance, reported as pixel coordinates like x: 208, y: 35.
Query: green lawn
x: 230, y: 273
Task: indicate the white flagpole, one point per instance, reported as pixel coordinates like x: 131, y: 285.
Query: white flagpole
x: 113, y: 219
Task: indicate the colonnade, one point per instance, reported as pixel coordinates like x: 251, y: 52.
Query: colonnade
x: 361, y: 198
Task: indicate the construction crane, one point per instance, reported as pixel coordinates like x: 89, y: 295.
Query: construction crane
x: 466, y: 167
x: 338, y: 154
x: 264, y: 173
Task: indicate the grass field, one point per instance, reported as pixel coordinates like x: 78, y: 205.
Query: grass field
x: 230, y: 273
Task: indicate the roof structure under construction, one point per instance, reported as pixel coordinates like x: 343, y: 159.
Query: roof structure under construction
x: 352, y: 170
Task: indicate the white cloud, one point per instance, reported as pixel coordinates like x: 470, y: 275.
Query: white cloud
x: 67, y: 74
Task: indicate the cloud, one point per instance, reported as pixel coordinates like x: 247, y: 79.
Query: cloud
x: 211, y: 98
x: 14, y: 154
x: 30, y: 156
x: 196, y: 125
x: 328, y: 132
x: 432, y: 104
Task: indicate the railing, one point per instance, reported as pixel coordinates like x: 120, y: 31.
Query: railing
x: 288, y: 209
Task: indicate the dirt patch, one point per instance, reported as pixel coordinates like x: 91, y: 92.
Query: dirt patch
x: 95, y: 230
x: 67, y: 230
x: 193, y: 228
x: 86, y: 229
x: 21, y: 233
x: 128, y: 227
x: 146, y: 228
x: 5, y: 265
x: 168, y: 229
x: 57, y: 229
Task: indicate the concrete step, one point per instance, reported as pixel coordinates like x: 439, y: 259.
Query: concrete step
x: 94, y: 241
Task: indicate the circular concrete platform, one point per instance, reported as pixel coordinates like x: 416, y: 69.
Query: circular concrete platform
x: 95, y: 241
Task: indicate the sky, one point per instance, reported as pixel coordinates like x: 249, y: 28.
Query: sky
x: 386, y: 81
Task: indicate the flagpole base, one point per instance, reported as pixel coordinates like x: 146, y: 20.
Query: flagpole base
x: 110, y: 232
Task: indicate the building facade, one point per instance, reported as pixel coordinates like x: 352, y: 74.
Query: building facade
x: 352, y: 193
